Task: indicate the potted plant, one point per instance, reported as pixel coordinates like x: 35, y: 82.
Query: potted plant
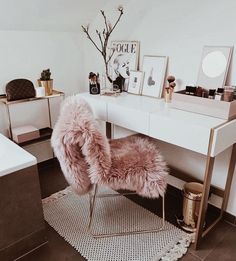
x: 46, y: 81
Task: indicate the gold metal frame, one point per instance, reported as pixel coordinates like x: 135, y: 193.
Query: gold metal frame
x: 8, y: 103
x: 92, y: 204
x: 200, y: 232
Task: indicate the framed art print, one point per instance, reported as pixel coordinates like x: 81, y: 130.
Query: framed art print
x: 124, y: 59
x: 214, y: 66
x: 135, y: 82
x: 154, y: 68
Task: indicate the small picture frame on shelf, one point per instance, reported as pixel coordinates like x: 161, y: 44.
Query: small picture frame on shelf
x: 135, y: 82
x: 154, y: 68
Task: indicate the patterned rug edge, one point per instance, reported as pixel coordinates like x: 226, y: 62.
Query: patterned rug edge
x: 178, y: 250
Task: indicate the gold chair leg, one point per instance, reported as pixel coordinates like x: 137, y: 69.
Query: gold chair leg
x: 92, y: 208
x: 92, y: 200
x: 90, y: 203
x: 163, y: 211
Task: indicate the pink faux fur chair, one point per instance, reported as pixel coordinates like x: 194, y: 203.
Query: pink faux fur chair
x: 89, y: 159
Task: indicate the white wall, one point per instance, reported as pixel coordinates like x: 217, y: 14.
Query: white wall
x: 47, y: 15
x: 24, y: 54
x: 178, y: 29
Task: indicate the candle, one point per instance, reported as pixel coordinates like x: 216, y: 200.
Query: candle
x: 40, y: 91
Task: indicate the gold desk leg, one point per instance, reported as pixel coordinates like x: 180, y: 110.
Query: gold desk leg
x: 9, y: 122
x: 205, y: 194
x: 226, y: 190
x: 229, y: 179
x: 204, y: 201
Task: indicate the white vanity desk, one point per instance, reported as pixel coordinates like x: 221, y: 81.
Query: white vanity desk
x: 153, y: 117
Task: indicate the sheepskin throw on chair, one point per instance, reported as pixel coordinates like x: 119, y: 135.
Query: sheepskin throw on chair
x: 87, y: 157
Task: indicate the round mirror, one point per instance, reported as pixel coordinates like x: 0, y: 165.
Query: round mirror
x: 214, y: 64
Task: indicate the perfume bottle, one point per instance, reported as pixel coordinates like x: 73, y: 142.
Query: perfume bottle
x: 190, y: 90
x: 211, y: 94
x: 234, y: 87
x: 228, y: 94
x: 199, y: 91
x: 187, y: 90
x: 219, y: 94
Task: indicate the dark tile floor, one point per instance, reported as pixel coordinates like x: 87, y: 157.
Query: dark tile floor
x: 219, y: 245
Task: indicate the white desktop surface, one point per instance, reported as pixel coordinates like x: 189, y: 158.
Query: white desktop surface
x: 157, y: 119
x: 154, y: 105
x: 13, y: 157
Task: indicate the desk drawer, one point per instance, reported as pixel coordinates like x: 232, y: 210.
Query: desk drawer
x: 224, y: 137
x: 128, y: 118
x: 180, y: 133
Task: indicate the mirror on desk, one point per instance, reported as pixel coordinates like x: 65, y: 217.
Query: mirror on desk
x: 214, y: 66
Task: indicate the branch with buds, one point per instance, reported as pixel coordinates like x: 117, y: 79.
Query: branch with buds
x: 103, y: 37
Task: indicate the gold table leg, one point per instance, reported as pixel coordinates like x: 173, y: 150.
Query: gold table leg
x: 204, y: 201
x: 206, y: 189
x: 229, y: 179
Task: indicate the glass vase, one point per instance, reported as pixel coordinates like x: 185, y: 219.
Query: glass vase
x: 105, y: 83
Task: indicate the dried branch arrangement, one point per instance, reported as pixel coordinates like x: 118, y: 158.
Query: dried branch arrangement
x: 103, y: 37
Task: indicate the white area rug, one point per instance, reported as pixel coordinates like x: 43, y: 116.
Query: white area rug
x: 68, y: 214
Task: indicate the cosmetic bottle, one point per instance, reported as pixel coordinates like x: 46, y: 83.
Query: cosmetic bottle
x: 219, y: 94
x: 211, y: 94
x: 190, y: 90
x: 193, y: 90
x: 228, y: 94
x: 234, y: 91
x: 199, y: 91
x: 187, y: 90
x: 205, y: 93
